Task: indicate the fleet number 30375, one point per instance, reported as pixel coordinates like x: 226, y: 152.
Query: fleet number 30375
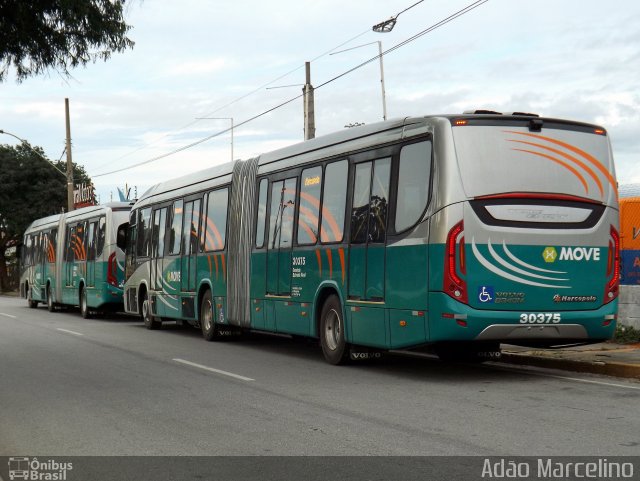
x: 540, y: 318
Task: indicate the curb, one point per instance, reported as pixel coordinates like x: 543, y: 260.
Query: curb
x: 616, y: 369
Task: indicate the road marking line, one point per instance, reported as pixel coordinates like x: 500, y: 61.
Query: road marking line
x: 210, y: 369
x: 593, y: 382
x: 524, y: 369
x: 70, y: 332
x: 7, y: 315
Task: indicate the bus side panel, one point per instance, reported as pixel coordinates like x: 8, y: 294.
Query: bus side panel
x: 258, y: 288
x: 407, y: 277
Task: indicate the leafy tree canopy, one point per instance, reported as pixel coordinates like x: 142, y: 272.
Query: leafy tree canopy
x: 31, y: 189
x: 38, y: 35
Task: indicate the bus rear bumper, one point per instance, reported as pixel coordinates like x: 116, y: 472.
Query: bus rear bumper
x: 514, y: 332
x: 450, y: 320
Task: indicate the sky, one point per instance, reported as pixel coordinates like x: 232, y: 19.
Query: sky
x: 198, y: 59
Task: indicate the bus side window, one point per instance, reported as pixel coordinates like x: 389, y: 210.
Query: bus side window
x: 53, y: 242
x: 81, y: 252
x: 144, y: 233
x: 216, y: 221
x: 101, y: 235
x: 310, y: 187
x: 159, y: 231
x: 262, y: 213
x: 360, y: 205
x: 175, y: 233
x: 283, y: 206
x: 69, y: 253
x: 334, y: 200
x: 190, y: 228
x: 91, y: 241
x: 371, y: 202
x: 36, y: 249
x: 413, y: 184
x: 379, y: 205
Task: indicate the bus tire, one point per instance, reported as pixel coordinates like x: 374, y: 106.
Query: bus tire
x: 84, y: 305
x: 207, y: 322
x: 150, y: 322
x: 334, y: 346
x: 32, y: 304
x: 51, y: 307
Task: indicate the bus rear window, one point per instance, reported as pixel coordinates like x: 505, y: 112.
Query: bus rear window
x: 498, y: 159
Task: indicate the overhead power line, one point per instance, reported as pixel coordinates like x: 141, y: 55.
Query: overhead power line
x: 427, y: 30
x: 248, y: 94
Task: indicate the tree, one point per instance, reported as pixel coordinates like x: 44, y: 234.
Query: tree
x: 31, y: 189
x: 38, y: 35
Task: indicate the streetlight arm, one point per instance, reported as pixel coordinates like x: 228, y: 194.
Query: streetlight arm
x: 25, y: 143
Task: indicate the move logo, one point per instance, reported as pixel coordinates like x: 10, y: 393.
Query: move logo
x: 550, y: 254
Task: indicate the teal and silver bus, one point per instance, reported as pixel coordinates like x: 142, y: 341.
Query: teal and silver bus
x: 72, y: 259
x: 454, y: 233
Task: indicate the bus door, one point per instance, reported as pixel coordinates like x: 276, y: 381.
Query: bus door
x: 171, y: 262
x: 69, y: 258
x: 188, y: 264
x: 91, y: 253
x: 157, y: 248
x: 50, y: 256
x: 39, y: 262
x: 369, y: 215
x: 283, y: 201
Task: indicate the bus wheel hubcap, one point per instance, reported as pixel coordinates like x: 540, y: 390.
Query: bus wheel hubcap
x: 332, y: 330
x: 208, y: 315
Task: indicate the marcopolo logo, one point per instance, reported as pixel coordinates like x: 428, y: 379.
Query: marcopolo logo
x: 550, y: 254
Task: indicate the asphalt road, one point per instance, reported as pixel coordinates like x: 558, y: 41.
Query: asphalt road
x: 72, y: 387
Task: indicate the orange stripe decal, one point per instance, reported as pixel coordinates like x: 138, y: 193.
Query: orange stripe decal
x: 585, y: 155
x: 330, y: 259
x: 590, y: 171
x: 319, y: 257
x: 210, y: 267
x: 224, y: 266
x: 341, y: 252
x: 562, y: 163
x: 215, y: 259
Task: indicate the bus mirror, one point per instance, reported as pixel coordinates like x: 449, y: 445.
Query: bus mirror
x: 121, y: 239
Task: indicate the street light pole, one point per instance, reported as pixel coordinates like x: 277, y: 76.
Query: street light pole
x: 70, y: 203
x: 384, y: 95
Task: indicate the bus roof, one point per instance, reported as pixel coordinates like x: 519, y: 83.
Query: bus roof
x: 350, y: 139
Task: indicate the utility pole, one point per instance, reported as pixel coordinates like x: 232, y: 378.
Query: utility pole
x: 309, y: 113
x: 69, y: 163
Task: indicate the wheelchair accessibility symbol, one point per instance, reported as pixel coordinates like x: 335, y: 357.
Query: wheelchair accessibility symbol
x: 486, y: 294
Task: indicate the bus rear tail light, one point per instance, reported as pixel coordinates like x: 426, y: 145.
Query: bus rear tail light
x: 454, y: 285
x: 613, y: 267
x: 112, y: 269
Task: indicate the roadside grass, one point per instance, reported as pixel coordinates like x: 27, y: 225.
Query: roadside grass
x: 626, y: 335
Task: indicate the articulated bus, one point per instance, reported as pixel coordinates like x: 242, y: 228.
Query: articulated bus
x: 453, y: 233
x: 72, y: 259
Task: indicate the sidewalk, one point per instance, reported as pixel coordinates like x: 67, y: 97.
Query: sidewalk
x: 607, y: 358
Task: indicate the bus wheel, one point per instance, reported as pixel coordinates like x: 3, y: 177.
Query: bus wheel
x: 334, y: 346
x: 50, y: 305
x: 207, y: 322
x: 32, y: 304
x: 84, y: 306
x: 150, y: 322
